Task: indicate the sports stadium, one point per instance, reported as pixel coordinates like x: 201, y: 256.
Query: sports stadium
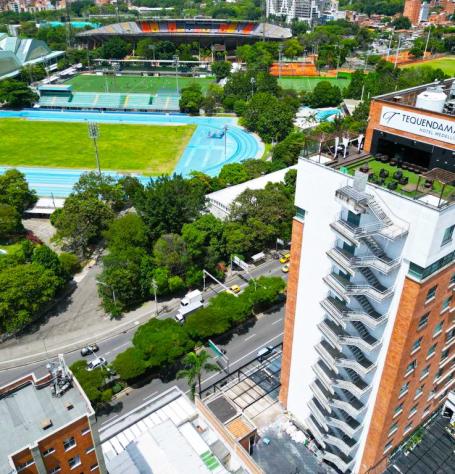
x: 206, y: 31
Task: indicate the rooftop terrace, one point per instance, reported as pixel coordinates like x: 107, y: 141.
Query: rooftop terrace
x: 23, y: 411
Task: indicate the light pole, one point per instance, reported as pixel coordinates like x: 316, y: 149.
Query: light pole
x: 155, y: 287
x: 94, y: 133
x: 280, y: 58
x: 176, y: 63
x: 225, y: 140
x: 398, y: 50
x: 110, y: 287
x: 252, y: 82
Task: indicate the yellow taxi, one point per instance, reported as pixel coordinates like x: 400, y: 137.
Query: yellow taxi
x: 285, y: 258
x: 234, y: 289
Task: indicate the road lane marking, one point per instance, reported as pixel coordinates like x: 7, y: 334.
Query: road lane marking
x: 110, y: 419
x: 277, y: 321
x: 151, y: 395
x: 250, y: 337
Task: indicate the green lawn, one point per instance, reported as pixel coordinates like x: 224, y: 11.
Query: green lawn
x: 413, y: 178
x: 149, y: 149
x: 10, y: 248
x: 447, y: 64
x: 309, y: 83
x: 133, y: 84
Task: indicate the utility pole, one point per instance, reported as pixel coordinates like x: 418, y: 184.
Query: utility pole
x: 426, y: 44
x: 110, y: 287
x: 94, y: 133
x: 280, y: 54
x: 155, y: 287
x: 117, y: 10
x: 390, y: 43
x: 398, y: 50
x: 225, y: 140
x: 176, y: 63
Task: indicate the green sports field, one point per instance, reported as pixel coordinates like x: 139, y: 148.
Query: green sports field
x: 149, y: 149
x: 133, y: 84
x: 447, y: 64
x: 309, y: 83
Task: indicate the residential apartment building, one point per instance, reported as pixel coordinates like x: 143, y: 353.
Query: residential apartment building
x: 311, y: 11
x: 48, y: 427
x: 369, y: 330
x: 412, y: 11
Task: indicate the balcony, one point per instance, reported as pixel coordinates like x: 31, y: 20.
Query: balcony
x: 318, y: 412
x: 343, y: 442
x: 325, y: 375
x: 346, y: 401
x: 348, y: 261
x: 341, y: 420
x: 338, y: 458
x: 316, y: 430
x: 343, y: 314
x: 352, y: 382
x: 344, y: 287
x: 322, y: 395
x: 359, y: 336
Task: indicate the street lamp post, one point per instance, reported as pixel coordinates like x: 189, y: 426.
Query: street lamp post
x: 94, y: 133
x: 225, y: 141
x: 155, y: 287
x: 252, y: 82
x: 110, y: 287
x: 176, y: 63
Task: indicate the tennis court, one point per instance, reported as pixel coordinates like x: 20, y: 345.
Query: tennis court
x: 310, y: 82
x: 134, y: 84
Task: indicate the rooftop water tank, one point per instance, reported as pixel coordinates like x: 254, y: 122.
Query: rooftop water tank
x: 432, y: 99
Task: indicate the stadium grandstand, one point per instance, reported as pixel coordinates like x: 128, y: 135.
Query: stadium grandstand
x: 206, y: 31
x: 63, y: 97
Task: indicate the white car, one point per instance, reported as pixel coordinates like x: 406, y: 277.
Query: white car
x: 264, y: 352
x: 95, y: 363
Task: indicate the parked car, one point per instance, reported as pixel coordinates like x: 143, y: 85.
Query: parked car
x: 285, y: 258
x: 235, y: 289
x: 89, y: 349
x: 285, y: 268
x: 264, y: 352
x: 95, y: 363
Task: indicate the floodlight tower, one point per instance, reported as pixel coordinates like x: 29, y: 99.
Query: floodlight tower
x: 176, y: 64
x: 94, y: 133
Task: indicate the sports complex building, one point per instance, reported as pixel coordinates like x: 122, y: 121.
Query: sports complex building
x: 206, y: 31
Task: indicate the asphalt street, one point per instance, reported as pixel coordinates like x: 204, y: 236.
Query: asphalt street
x: 240, y: 347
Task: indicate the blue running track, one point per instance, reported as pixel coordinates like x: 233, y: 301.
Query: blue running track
x: 201, y: 154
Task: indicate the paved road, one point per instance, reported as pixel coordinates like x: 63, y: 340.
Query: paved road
x: 80, y: 320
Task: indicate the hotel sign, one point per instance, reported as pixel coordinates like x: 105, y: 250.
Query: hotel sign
x: 418, y: 124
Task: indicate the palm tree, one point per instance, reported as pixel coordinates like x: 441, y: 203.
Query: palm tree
x: 194, y: 364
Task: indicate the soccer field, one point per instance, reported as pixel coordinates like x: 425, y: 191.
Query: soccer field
x: 133, y: 84
x: 148, y: 149
x: 309, y: 83
x: 447, y: 64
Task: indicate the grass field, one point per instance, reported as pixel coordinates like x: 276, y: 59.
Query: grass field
x: 149, y: 149
x: 447, y: 64
x: 132, y: 84
x: 309, y: 83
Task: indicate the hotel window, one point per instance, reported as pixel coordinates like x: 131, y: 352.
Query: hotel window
x: 55, y: 469
x: 25, y: 465
x: 427, y: 410
x: 404, y: 389
x: 93, y: 467
x: 69, y: 443
x: 419, y: 391
x: 448, y: 234
x: 411, y: 367
x: 398, y: 410
x: 452, y: 280
x: 393, y: 428
x: 74, y: 462
x: 90, y: 449
x: 438, y: 374
x: 425, y: 372
x: 407, y: 428
x: 446, y: 303
x: 388, y: 446
x: 412, y: 411
x: 431, y: 293
x: 85, y: 431
x: 438, y: 328
x: 450, y: 335
x: 431, y: 350
x: 423, y: 321
x: 416, y: 345
x: 445, y: 354
x: 48, y: 451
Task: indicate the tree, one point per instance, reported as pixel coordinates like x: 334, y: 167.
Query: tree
x: 292, y: 48
x: 170, y: 252
x: 31, y: 73
x: 70, y: 263
x: 92, y: 382
x: 205, y: 323
x: 325, y: 95
x: 162, y: 342
x: 402, y: 23
x: 195, y: 363
x: 264, y: 292
x: 191, y: 99
x: 127, y: 231
x: 14, y: 191
x: 16, y: 94
x: 221, y: 69
x: 24, y: 291
x: 10, y: 222
x: 289, y: 150
x: 269, y: 117
x: 114, y: 48
x: 81, y: 222
x: 167, y: 203
x: 130, y: 364
x: 233, y: 173
x: 46, y: 257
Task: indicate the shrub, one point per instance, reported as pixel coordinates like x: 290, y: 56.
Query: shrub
x: 70, y: 263
x: 206, y: 322
x: 130, y: 364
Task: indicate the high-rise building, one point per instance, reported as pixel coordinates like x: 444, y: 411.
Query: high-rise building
x: 369, y: 330
x: 412, y: 10
x: 311, y: 11
x: 47, y: 426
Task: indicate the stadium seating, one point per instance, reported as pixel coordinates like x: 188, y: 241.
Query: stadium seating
x: 172, y: 27
x: 249, y: 28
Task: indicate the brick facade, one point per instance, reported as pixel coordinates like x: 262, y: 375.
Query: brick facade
x: 291, y: 301
x: 412, y: 10
x: 375, y: 118
x: 408, y: 328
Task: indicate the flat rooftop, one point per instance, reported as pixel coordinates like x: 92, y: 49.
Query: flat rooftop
x: 23, y: 411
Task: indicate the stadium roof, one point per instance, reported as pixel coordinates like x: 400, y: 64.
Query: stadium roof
x: 191, y: 27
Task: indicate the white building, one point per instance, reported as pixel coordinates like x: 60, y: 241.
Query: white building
x: 219, y: 202
x: 369, y: 330
x: 311, y: 11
